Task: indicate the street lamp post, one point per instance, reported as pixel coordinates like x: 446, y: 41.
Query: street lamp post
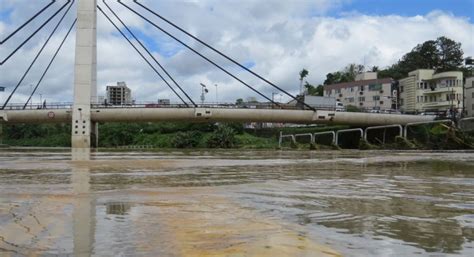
x: 31, y: 98
x: 41, y: 99
x: 217, y: 99
x: 204, y: 91
x: 273, y: 98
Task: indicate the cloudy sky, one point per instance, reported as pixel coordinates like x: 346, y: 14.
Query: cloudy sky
x: 275, y: 38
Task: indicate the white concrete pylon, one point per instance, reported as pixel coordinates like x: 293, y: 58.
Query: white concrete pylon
x: 85, y: 74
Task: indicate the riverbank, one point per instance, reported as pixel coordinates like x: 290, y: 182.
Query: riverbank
x: 234, y: 136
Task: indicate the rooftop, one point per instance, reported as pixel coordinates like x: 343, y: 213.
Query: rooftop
x: 358, y: 83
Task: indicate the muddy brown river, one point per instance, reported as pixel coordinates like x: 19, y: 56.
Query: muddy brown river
x: 237, y: 203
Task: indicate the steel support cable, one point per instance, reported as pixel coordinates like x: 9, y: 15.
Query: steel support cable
x: 138, y: 51
x: 51, y: 62
x: 34, y: 33
x: 202, y: 56
x: 222, y: 54
x: 154, y: 59
x: 37, y: 55
x: 28, y: 21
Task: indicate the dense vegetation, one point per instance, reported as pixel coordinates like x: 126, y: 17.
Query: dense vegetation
x: 228, y: 135
x: 159, y: 135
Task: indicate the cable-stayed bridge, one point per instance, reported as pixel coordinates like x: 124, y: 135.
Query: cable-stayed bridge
x: 84, y: 113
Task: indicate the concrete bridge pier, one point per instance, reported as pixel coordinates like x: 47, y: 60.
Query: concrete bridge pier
x: 85, y: 75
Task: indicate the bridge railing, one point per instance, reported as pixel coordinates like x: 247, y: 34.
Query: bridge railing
x: 207, y: 105
x: 37, y: 106
x: 68, y: 105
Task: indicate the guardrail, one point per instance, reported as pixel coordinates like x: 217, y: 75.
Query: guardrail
x: 383, y: 127
x: 280, y: 140
x: 348, y: 130
x: 333, y: 140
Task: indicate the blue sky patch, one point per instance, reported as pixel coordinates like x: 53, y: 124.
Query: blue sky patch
x: 164, y: 47
x: 464, y: 8
x: 249, y: 64
x: 5, y: 14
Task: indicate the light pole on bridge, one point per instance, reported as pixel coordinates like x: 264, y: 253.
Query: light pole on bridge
x: 2, y: 89
x: 217, y: 99
x: 204, y: 91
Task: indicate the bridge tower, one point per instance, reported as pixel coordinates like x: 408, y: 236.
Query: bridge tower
x: 85, y: 75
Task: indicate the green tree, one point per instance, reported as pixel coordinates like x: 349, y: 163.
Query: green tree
x: 348, y: 74
x: 334, y: 78
x: 315, y: 91
x: 442, y: 54
x: 303, y: 74
x: 351, y: 71
x: 186, y: 139
x: 450, y: 54
x: 223, y: 137
x: 239, y: 101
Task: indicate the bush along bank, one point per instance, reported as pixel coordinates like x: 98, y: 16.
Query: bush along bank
x: 428, y: 137
x: 233, y: 135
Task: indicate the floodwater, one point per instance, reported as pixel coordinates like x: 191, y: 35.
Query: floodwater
x: 237, y: 203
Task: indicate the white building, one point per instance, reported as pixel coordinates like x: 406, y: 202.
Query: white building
x: 119, y: 94
x: 367, y: 92
x: 425, y: 91
x: 469, y: 97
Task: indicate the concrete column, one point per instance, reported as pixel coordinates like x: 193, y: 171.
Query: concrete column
x: 85, y: 74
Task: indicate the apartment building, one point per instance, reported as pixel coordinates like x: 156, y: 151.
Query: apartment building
x: 119, y: 94
x: 469, y: 97
x: 426, y: 91
x: 366, y: 92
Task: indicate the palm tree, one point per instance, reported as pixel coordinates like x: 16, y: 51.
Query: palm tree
x: 303, y: 74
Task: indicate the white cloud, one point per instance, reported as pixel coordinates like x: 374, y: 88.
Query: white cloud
x: 281, y: 37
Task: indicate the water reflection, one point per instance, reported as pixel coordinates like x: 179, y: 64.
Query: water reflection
x: 84, y: 211
x: 118, y: 208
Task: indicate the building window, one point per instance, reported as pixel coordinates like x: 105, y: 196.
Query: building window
x: 352, y: 89
x: 402, y: 101
x: 381, y: 102
x: 473, y: 92
x: 376, y: 97
x: 401, y: 89
x: 375, y: 87
x: 361, y: 88
x: 417, y: 99
x: 362, y: 99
